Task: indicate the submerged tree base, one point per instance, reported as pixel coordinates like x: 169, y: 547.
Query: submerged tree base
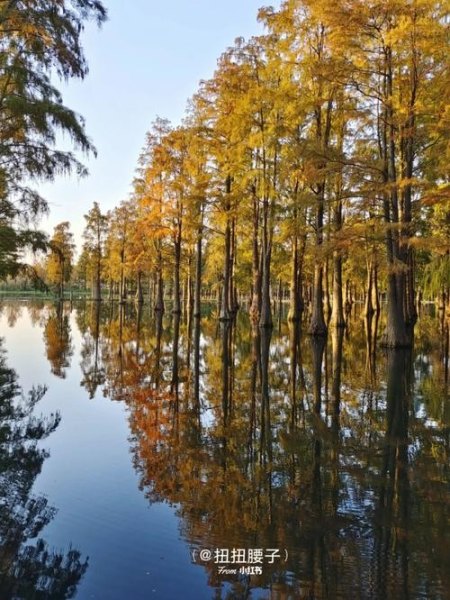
x: 317, y: 331
x: 391, y: 340
x: 392, y: 345
x: 226, y: 317
x: 340, y: 324
x: 295, y: 316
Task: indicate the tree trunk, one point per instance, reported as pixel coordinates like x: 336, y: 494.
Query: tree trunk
x: 337, y: 315
x: 225, y: 314
x: 317, y: 325
x: 159, y: 300
x: 175, y: 343
x: 139, y: 291
x: 176, y: 307
x: 232, y: 301
x: 61, y: 280
x: 96, y: 293
x: 255, y: 307
x: 395, y: 334
x: 368, y: 296
x: 327, y: 303
x: 265, y: 319
x: 122, y: 291
x: 294, y: 313
x: 375, y: 291
x: 198, y: 274
x: 197, y: 361
x: 189, y: 293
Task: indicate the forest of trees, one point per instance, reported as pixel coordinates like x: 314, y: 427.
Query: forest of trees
x: 312, y: 166
x: 315, y: 160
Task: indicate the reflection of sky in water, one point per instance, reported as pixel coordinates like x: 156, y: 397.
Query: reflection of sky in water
x: 133, y: 548
x: 207, y: 412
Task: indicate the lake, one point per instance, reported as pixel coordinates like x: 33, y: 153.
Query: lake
x: 149, y: 456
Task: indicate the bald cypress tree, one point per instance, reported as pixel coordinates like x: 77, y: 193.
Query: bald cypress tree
x: 94, y: 236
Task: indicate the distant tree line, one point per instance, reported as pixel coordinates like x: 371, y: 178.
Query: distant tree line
x: 315, y: 160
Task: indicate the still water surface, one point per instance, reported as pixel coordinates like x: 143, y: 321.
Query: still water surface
x: 132, y: 447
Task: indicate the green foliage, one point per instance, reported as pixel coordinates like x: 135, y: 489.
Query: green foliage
x: 12, y: 243
x: 436, y: 277
x: 38, y: 38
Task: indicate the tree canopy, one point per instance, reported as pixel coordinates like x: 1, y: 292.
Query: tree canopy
x: 40, y: 41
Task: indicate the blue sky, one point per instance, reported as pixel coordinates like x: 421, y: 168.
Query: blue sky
x: 146, y: 61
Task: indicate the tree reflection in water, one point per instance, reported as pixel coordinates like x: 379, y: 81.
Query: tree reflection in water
x: 325, y: 448
x: 88, y: 321
x: 58, y: 341
x: 28, y: 570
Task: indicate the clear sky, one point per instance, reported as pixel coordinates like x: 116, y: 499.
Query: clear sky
x: 146, y: 61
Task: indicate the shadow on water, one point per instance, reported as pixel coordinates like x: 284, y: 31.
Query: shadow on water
x: 28, y: 567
